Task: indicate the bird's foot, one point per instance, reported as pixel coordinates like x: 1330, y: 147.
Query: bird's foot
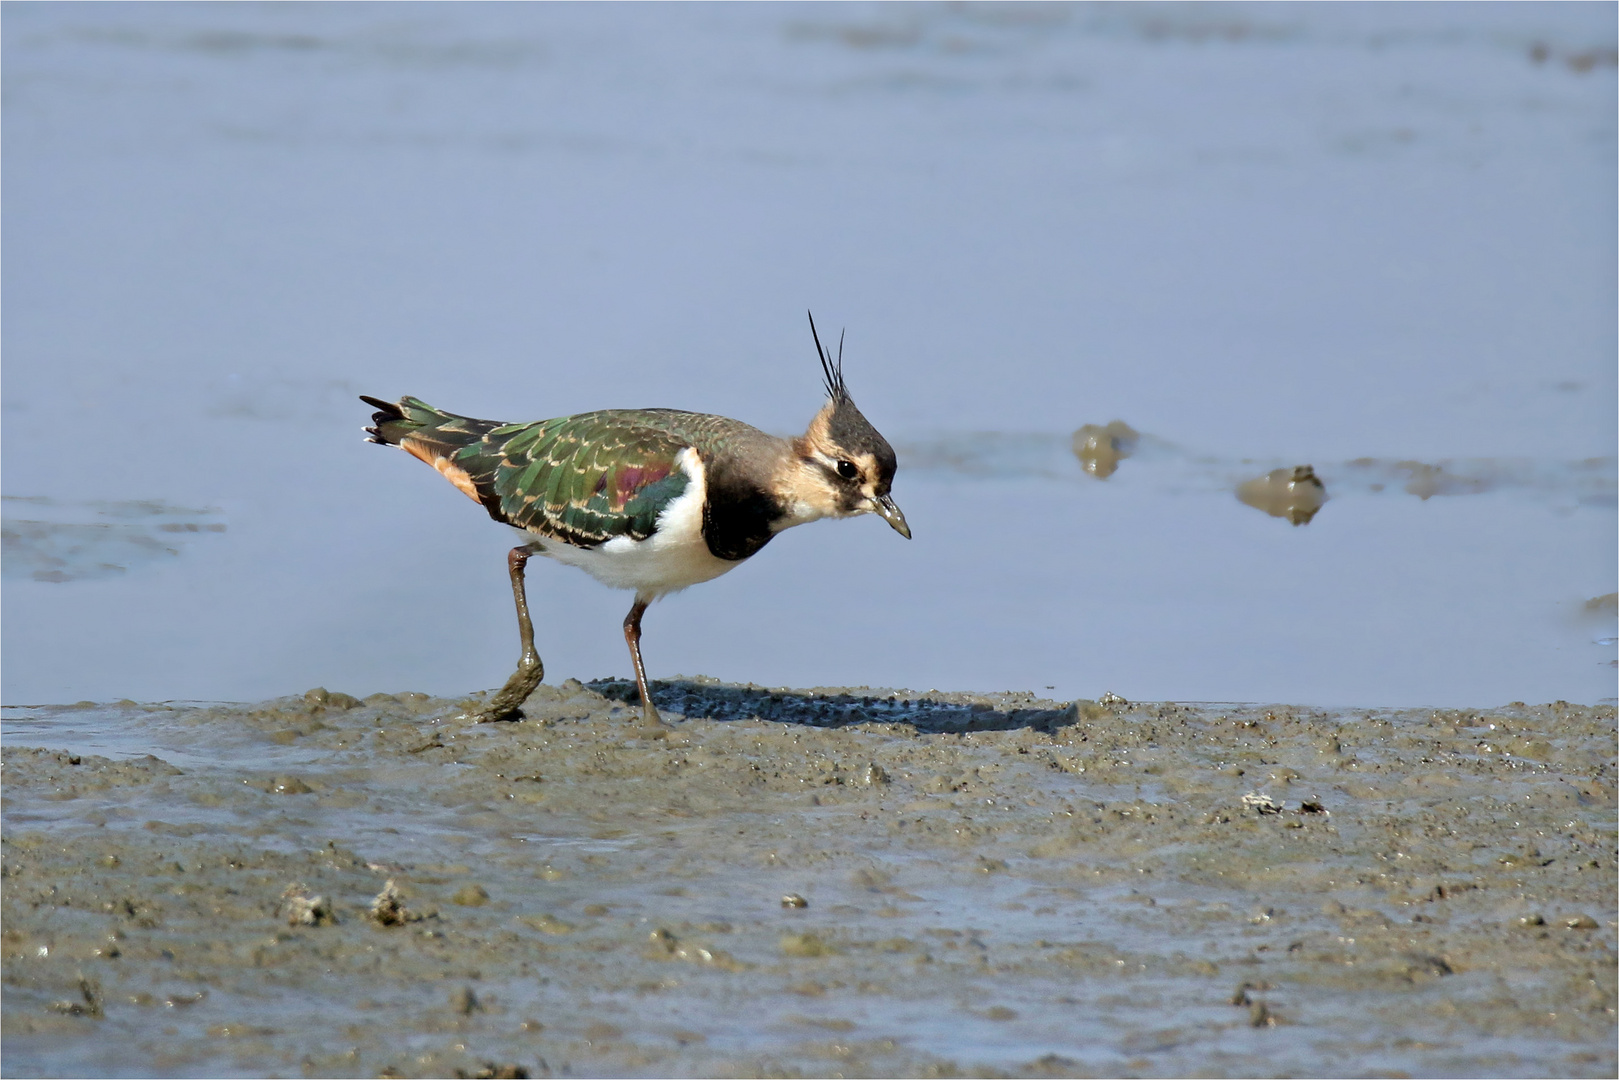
x: 508, y: 700
x: 649, y: 725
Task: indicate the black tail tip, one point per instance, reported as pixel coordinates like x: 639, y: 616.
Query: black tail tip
x: 387, y: 412
x: 389, y: 407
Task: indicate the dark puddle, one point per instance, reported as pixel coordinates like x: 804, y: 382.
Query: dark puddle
x: 931, y: 713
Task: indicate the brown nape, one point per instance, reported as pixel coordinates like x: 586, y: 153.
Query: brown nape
x: 817, y: 438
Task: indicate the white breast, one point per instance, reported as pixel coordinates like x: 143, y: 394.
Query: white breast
x: 673, y: 557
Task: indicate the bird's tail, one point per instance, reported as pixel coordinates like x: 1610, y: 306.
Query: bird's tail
x: 417, y: 426
x: 443, y: 440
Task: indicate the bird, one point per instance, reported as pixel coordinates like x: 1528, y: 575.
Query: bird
x: 650, y: 500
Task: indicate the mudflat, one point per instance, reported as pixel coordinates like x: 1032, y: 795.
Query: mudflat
x: 829, y: 882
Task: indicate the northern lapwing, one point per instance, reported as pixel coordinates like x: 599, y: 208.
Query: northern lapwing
x: 651, y: 500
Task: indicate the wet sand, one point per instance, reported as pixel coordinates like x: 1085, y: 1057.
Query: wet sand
x: 839, y: 882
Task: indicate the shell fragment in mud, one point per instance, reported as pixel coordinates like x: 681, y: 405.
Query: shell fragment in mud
x: 663, y: 945
x: 1263, y: 803
x: 302, y: 909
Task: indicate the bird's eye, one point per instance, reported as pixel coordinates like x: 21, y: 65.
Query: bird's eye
x: 847, y: 470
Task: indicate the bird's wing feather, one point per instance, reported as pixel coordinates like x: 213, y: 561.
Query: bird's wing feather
x: 580, y: 479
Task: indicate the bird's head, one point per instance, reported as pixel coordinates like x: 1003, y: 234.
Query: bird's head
x: 846, y: 467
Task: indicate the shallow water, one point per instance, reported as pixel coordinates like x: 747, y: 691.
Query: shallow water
x: 1375, y: 240
x: 992, y: 886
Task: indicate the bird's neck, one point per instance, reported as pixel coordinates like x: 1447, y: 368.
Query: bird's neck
x: 801, y: 485
x: 800, y: 491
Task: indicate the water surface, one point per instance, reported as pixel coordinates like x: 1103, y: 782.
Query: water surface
x: 1374, y: 240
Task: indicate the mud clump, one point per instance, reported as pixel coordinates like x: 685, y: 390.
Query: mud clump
x: 1100, y: 449
x: 302, y: 909
x: 1294, y: 493
x: 473, y: 895
x: 1028, y: 875
x: 388, y: 908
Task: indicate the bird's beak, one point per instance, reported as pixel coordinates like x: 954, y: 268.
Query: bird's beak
x: 884, y: 505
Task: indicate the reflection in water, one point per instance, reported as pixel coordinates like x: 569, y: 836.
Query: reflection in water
x: 1589, y: 482
x: 1599, y: 613
x: 988, y: 455
x: 68, y: 541
x: 1293, y: 493
x: 1430, y: 480
x: 1100, y: 449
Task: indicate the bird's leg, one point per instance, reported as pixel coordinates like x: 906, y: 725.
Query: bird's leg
x: 632, y: 637
x: 530, y: 670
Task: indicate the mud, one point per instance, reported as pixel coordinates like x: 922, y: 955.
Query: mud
x: 841, y: 882
x: 1295, y: 494
x: 1100, y: 449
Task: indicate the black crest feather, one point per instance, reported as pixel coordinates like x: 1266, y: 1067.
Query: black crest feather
x: 832, y: 371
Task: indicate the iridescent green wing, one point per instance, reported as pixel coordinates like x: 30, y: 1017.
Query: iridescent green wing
x: 581, y: 479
